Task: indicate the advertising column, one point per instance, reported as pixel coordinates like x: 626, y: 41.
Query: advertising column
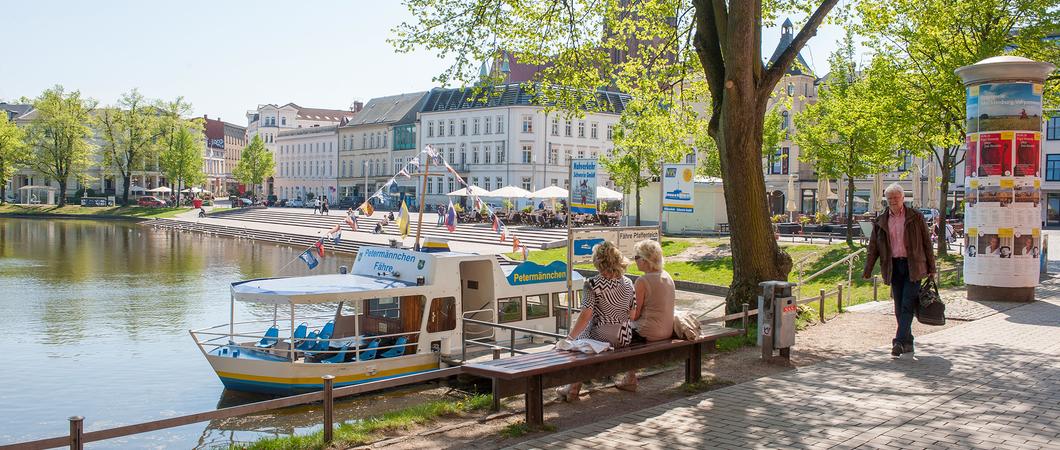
x: 1002, y: 216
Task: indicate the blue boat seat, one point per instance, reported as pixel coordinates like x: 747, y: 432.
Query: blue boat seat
x: 325, y: 334
x: 369, y: 352
x: 338, y: 358
x: 398, y: 350
x: 309, y: 343
x: 271, y: 338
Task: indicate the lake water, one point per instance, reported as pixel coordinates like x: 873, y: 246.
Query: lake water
x: 95, y: 319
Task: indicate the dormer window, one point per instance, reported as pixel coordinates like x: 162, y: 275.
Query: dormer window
x: 791, y: 89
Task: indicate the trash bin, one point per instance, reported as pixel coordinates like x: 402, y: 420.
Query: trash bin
x: 197, y: 203
x: 777, y: 311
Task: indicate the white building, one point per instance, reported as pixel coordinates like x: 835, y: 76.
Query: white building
x: 376, y: 143
x: 305, y: 163
x: 503, y: 138
x: 268, y: 120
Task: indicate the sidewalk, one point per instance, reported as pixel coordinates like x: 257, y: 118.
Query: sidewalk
x: 993, y: 383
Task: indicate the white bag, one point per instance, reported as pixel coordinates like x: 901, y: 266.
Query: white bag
x: 686, y: 326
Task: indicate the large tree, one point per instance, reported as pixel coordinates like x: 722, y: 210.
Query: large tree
x: 924, y: 41
x: 587, y: 44
x: 181, y: 159
x: 255, y: 164
x: 13, y: 152
x: 128, y: 130
x: 59, y: 136
x: 852, y: 129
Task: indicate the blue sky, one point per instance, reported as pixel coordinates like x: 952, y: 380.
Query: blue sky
x: 226, y: 57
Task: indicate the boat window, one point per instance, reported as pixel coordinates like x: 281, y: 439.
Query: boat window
x: 509, y: 309
x: 388, y: 308
x: 443, y: 315
x: 559, y: 301
x: 391, y: 315
x: 536, y: 306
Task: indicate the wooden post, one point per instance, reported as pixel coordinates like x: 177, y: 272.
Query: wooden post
x: 746, y: 330
x: 495, y: 405
x: 329, y: 408
x: 535, y: 408
x: 77, y: 430
x: 875, y: 288
x: 820, y: 305
x: 839, y: 299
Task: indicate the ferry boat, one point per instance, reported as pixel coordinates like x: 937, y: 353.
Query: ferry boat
x: 396, y: 312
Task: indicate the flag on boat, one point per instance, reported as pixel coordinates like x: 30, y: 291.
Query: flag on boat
x: 309, y: 260
x: 368, y: 209
x: 515, y: 244
x: 403, y: 173
x: 450, y: 217
x: 319, y: 245
x: 352, y: 222
x: 403, y: 220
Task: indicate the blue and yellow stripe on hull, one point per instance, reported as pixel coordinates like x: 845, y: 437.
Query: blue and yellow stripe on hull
x: 297, y: 385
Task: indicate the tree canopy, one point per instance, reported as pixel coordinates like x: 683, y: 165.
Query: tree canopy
x: 13, y: 152
x: 129, y: 131
x: 59, y: 136
x: 255, y: 164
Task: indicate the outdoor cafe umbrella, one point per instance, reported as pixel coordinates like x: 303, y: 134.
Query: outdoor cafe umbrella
x: 550, y: 192
x: 876, y: 194
x: 193, y: 190
x: 31, y: 187
x: 792, y: 206
x: 605, y: 193
x: 822, y: 195
x: 161, y: 190
x: 135, y: 188
x: 472, y: 189
x: 509, y: 192
x: 932, y: 200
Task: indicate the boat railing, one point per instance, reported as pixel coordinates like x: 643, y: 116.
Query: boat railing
x: 493, y: 345
x: 291, y: 353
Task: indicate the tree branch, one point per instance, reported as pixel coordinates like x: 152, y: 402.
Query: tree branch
x: 784, y: 61
x: 709, y: 51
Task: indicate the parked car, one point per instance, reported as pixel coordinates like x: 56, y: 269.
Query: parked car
x: 296, y: 203
x: 349, y: 202
x: 151, y: 201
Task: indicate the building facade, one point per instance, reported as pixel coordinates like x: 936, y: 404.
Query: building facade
x: 369, y: 153
x: 305, y: 163
x: 504, y: 138
x: 1051, y: 171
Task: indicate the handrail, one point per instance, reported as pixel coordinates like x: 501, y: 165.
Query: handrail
x: 513, y: 329
x: 236, y: 411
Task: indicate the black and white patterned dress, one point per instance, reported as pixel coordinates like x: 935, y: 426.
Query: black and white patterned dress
x: 610, y: 299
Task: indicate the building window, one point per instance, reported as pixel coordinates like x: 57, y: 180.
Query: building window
x: 500, y: 124
x: 474, y: 126
x: 567, y: 128
x: 791, y: 90
x: 451, y: 185
x: 784, y: 120
x: 440, y: 185
x: 486, y: 156
x: 593, y: 132
x: 487, y: 187
x: 1052, y: 128
x: 1052, y: 167
x: 488, y: 121
x: 778, y: 162
x: 452, y: 154
x: 500, y: 182
x: 474, y: 155
x: 526, y: 183
x: 581, y: 128
x: 528, y: 123
x: 555, y: 182
x: 555, y: 125
x: 610, y: 131
x: 430, y: 128
x: 527, y: 153
x: 809, y: 201
x: 553, y: 155
x: 452, y: 127
x: 500, y: 153
x: 364, y: 140
x: 463, y: 154
x: 463, y: 127
x: 441, y: 128
x: 474, y: 181
x: 430, y: 188
x: 906, y: 158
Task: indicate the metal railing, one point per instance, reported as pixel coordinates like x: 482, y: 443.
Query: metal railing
x: 465, y: 341
x: 225, y: 339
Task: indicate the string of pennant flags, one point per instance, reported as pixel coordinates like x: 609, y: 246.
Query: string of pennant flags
x: 312, y: 255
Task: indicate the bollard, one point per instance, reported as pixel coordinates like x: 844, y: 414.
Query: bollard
x: 329, y: 408
x: 77, y: 431
x: 746, y: 331
x: 839, y: 297
x: 820, y: 306
x: 875, y: 288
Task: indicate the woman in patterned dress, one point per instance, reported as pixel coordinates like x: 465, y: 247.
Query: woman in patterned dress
x: 606, y: 304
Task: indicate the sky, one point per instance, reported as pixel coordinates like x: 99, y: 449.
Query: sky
x: 227, y: 57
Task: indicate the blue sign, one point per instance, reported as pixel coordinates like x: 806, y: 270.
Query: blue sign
x: 530, y: 272
x: 584, y: 247
x: 583, y: 186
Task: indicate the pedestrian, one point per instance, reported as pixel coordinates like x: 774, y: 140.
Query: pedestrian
x: 316, y: 205
x: 441, y: 214
x: 901, y: 241
x: 324, y: 207
x: 609, y: 297
x: 653, y: 315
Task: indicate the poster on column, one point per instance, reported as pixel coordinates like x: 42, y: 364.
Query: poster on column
x: 583, y: 186
x: 971, y: 251
x: 678, y: 187
x: 1009, y: 106
x: 995, y: 154
x: 1028, y: 148
x: 971, y: 156
x: 971, y: 106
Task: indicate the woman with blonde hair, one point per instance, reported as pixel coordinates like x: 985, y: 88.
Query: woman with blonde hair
x: 606, y: 304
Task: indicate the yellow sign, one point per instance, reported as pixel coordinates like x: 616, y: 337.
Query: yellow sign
x: 974, y: 137
x: 1004, y: 232
x: 973, y: 232
x: 974, y: 183
x: 1037, y: 183
x: 1007, y: 183
x: 1036, y: 232
x: 1008, y: 135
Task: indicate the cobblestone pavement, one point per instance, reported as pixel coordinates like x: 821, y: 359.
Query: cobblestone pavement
x: 958, y: 307
x: 993, y: 383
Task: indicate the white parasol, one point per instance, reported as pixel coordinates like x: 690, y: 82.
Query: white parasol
x: 550, y: 192
x: 509, y: 192
x: 161, y: 190
x: 605, y: 193
x: 472, y: 189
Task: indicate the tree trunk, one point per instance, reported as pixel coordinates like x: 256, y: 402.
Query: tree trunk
x: 638, y: 202
x: 850, y: 212
x: 126, y: 181
x: 62, y: 191
x: 947, y: 162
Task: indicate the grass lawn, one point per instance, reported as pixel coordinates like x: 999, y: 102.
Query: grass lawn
x: 77, y: 210
x: 810, y: 258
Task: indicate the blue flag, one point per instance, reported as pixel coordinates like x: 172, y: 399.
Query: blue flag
x: 310, y: 259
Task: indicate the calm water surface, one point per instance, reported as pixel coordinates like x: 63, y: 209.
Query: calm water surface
x: 95, y: 319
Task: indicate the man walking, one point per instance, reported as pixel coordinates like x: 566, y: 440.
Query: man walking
x: 901, y: 241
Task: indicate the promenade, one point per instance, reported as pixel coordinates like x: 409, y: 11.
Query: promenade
x: 992, y: 383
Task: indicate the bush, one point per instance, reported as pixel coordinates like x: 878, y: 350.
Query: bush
x: 777, y: 218
x: 821, y: 217
x: 528, y: 209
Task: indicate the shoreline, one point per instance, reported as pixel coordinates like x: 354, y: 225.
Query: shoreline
x: 74, y: 216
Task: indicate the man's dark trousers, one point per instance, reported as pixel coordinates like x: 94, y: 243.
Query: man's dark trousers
x: 905, y: 293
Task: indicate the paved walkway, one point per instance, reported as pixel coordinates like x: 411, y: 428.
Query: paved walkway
x: 993, y: 383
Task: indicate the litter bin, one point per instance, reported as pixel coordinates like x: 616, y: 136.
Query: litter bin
x: 777, y: 311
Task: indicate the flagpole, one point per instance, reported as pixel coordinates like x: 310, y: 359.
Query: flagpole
x: 570, y: 246
x: 423, y: 197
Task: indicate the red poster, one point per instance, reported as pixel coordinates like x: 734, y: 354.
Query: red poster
x: 1028, y: 148
x: 995, y: 153
x: 971, y: 157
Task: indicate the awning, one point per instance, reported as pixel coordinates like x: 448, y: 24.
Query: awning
x: 331, y: 288
x: 463, y: 192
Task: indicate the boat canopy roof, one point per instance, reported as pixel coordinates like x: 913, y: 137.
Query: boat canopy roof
x: 321, y: 289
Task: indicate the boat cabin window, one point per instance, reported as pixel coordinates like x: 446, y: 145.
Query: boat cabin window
x: 559, y: 301
x: 382, y: 316
x: 536, y: 306
x: 442, y: 316
x: 509, y: 309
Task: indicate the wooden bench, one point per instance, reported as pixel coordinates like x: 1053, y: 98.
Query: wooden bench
x: 532, y: 373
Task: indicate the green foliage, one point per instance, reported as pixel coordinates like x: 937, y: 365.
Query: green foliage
x: 181, y: 159
x: 13, y: 152
x: 128, y: 131
x: 255, y: 163
x: 59, y: 136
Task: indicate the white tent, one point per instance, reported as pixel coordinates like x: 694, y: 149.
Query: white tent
x: 509, y: 192
x: 161, y: 190
x: 193, y: 190
x: 135, y: 188
x: 792, y: 204
x: 46, y: 188
x: 604, y: 193
x: 474, y: 190
x: 550, y: 192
